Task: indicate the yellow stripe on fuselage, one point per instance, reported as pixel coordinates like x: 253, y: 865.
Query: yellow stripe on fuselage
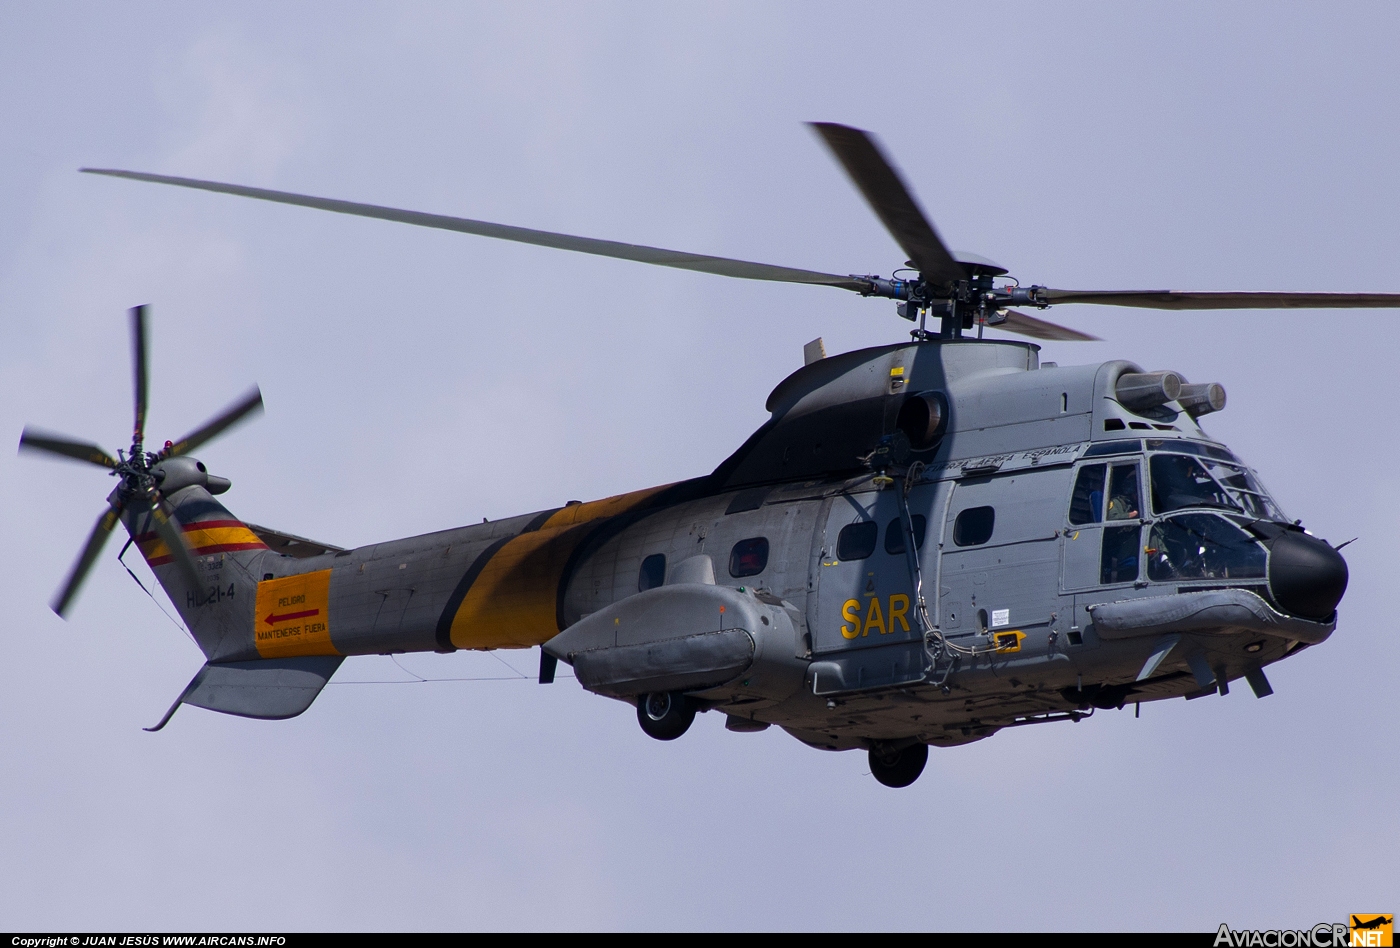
x: 514, y: 601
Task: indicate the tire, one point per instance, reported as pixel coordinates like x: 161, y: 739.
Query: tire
x: 665, y: 715
x: 901, y: 768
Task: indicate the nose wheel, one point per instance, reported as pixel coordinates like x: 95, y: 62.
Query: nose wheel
x: 666, y: 715
x: 901, y: 768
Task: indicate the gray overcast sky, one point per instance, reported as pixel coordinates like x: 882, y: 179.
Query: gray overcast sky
x: 417, y: 380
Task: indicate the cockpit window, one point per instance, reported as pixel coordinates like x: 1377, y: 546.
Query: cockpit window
x: 1115, y: 447
x: 1190, y: 447
x: 1086, y: 504
x: 1120, y: 560
x: 1202, y: 546
x: 1124, y: 498
x: 1246, y: 489
x: 1181, y: 481
x: 1124, y: 494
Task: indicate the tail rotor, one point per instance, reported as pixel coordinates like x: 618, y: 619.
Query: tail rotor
x: 139, y: 472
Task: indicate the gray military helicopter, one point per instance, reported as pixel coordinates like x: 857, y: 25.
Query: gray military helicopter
x: 927, y: 542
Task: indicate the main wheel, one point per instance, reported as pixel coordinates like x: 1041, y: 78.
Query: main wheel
x: 901, y: 768
x: 666, y: 715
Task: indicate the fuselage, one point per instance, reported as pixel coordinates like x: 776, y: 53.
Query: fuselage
x: 1068, y: 553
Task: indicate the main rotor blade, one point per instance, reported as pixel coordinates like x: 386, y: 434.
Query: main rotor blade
x: 34, y: 440
x: 168, y: 529
x: 723, y: 266
x: 1024, y: 325
x: 1190, y: 299
x: 138, y: 371
x: 252, y: 402
x: 891, y: 201
x: 81, y: 568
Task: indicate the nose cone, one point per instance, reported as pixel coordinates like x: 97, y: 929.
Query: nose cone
x: 1306, y: 576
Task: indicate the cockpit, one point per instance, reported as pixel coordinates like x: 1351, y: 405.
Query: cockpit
x: 1185, y: 512
x: 1201, y: 475
x: 1187, y: 522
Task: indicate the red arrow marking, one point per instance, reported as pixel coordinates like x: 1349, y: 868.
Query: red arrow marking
x: 273, y: 619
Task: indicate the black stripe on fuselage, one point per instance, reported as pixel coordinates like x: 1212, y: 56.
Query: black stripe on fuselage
x: 464, y: 585
x: 610, y: 527
x: 540, y: 519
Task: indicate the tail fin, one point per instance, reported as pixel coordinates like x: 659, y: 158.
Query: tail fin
x: 228, y: 555
x: 240, y: 677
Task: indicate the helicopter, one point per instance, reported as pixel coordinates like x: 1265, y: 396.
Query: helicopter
x: 927, y: 541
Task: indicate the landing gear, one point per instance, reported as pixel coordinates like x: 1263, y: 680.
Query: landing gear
x: 666, y: 715
x: 900, y: 768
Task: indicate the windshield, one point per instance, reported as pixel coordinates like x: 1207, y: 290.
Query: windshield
x: 1201, y: 546
x: 1180, y: 481
x: 1247, y: 491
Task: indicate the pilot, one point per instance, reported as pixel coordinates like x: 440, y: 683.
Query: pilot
x: 1179, y: 482
x: 1176, y: 551
x: 1123, y: 506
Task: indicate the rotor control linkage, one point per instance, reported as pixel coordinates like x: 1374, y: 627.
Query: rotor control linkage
x: 1017, y: 296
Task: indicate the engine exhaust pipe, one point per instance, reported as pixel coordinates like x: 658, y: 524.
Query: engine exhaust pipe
x: 1202, y: 399
x: 1139, y: 391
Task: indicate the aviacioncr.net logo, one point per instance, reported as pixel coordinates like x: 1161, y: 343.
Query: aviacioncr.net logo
x: 1365, y: 931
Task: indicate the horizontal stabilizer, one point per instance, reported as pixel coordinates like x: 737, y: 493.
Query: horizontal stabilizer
x: 271, y: 689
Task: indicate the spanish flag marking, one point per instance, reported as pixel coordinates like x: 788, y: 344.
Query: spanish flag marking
x: 204, y: 537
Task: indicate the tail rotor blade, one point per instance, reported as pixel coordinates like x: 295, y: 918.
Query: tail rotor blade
x: 35, y: 440
x: 891, y: 200
x: 96, y: 540
x: 245, y: 406
x: 168, y: 529
x: 138, y: 370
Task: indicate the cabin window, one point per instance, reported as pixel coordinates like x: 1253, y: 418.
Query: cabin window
x: 749, y: 557
x: 652, y: 573
x: 856, y: 541
x: 1119, y: 562
x: 1086, y: 503
x: 894, y: 534
x: 974, y: 526
x: 1202, y: 546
